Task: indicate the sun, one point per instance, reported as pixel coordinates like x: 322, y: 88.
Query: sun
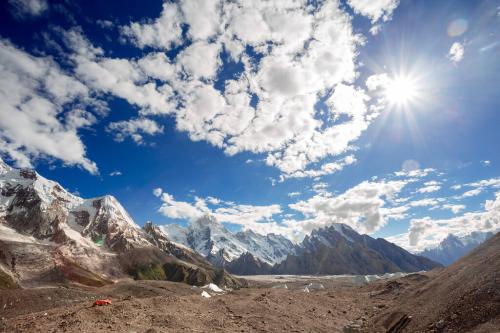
x: 401, y: 90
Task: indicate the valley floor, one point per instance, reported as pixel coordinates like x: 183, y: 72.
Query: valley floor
x: 154, y: 306
x: 265, y: 306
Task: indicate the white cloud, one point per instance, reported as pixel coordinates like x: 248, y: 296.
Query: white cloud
x: 37, y: 119
x: 28, y: 8
x: 479, y: 187
x: 425, y: 202
x: 257, y: 218
x: 325, y: 169
x: 486, y: 163
x: 415, y: 173
x: 304, y: 55
x: 293, y: 194
x: 472, y: 193
x: 427, y: 232
x: 456, y: 53
x: 115, y: 173
x: 134, y: 128
x: 486, y: 183
x: 181, y: 210
x: 454, y: 208
x: 297, y: 66
x: 163, y: 32
x: 362, y: 207
x: 374, y: 9
x: 429, y: 189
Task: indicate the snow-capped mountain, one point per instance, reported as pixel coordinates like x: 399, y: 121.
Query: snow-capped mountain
x: 34, y: 205
x: 338, y: 249
x: 211, y: 239
x: 453, y: 248
x: 49, y: 235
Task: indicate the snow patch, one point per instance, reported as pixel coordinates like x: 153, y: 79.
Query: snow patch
x: 213, y: 287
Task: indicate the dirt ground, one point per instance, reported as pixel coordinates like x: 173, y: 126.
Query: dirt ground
x: 154, y: 306
x: 265, y: 306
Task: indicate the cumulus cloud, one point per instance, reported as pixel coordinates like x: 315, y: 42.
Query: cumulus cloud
x: 291, y: 56
x: 425, y: 202
x: 287, y: 81
x: 374, y: 9
x: 163, y: 32
x: 479, y: 187
x: 157, y: 192
x: 28, y: 8
x: 247, y: 216
x: 427, y: 232
x: 429, y: 188
x: 42, y: 110
x: 454, y: 208
x: 361, y: 207
x: 134, y: 128
x: 325, y: 169
x: 456, y: 53
x: 471, y: 193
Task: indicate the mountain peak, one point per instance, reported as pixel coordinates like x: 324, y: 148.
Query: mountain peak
x: 207, y: 220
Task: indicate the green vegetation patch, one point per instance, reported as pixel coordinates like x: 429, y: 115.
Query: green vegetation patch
x: 150, y: 272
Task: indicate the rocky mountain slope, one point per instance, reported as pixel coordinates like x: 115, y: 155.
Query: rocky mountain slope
x: 212, y: 240
x: 338, y: 249
x: 453, y: 248
x: 464, y: 297
x: 49, y: 235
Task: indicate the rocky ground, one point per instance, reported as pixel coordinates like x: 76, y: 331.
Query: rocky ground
x: 154, y: 306
x: 328, y: 305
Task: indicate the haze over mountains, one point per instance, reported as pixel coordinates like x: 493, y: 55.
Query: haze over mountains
x: 453, y: 247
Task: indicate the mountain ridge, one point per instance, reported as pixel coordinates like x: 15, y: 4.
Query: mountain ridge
x: 452, y: 248
x: 49, y: 235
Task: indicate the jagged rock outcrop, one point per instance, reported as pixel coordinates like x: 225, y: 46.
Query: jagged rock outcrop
x: 247, y: 264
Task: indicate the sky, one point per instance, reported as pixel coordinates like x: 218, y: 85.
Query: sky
x: 279, y: 116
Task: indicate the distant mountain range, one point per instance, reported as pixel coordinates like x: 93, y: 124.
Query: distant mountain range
x: 453, y: 248
x: 49, y: 235
x: 336, y: 249
x: 211, y: 239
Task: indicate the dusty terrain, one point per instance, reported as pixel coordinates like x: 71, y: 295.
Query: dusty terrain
x: 265, y: 306
x: 154, y: 306
x: 464, y: 297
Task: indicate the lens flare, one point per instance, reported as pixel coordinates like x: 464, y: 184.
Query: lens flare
x: 457, y: 27
x: 401, y: 90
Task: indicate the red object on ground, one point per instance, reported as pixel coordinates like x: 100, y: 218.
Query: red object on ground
x: 100, y: 302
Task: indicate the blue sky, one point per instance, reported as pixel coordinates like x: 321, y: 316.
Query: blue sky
x: 381, y: 114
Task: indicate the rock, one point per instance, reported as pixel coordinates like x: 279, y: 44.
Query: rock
x: 440, y: 324
x: 352, y: 328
